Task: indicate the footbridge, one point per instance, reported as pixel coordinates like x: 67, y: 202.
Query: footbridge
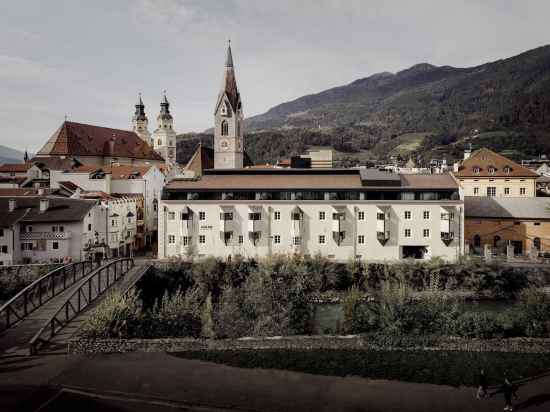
x: 49, y: 311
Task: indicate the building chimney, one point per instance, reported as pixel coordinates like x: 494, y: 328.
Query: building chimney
x: 468, y: 152
x: 44, y: 205
x: 12, y: 204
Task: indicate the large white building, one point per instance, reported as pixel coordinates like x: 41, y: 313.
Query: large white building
x: 338, y: 213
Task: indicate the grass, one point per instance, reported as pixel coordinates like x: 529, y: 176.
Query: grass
x: 452, y: 368
x: 408, y: 143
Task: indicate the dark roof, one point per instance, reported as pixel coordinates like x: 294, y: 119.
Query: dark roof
x: 28, y: 210
x: 485, y: 159
x: 77, y: 139
x: 12, y: 179
x: 476, y: 207
x: 316, y: 179
x: 203, y: 159
x: 56, y: 163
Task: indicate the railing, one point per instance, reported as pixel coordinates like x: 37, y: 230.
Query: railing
x: 45, y: 235
x: 41, y: 291
x: 97, y: 283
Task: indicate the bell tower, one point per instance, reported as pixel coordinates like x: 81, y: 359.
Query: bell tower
x: 164, y: 136
x: 228, y: 121
x: 140, y: 122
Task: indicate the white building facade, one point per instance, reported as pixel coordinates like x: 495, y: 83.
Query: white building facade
x: 342, y: 215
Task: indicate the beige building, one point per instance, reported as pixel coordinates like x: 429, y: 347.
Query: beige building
x: 486, y: 173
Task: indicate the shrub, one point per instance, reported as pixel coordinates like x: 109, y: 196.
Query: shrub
x: 534, y: 313
x: 177, y: 315
x: 117, y: 316
x: 357, y: 318
x: 482, y: 325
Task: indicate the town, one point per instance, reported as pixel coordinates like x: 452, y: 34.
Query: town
x: 382, y: 244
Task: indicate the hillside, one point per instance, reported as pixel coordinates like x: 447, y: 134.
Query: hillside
x: 9, y: 155
x: 422, y: 111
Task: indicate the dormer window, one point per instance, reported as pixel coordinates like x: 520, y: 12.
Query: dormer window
x: 476, y: 170
x: 507, y: 170
x: 492, y: 170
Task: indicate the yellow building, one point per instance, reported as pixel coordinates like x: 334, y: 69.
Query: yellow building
x: 486, y: 173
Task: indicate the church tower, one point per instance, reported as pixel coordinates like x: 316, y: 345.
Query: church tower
x: 164, y: 137
x: 228, y: 121
x: 140, y: 122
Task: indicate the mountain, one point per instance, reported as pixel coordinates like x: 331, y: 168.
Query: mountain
x: 9, y: 155
x: 424, y: 111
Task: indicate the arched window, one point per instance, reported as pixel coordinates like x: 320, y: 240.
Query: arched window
x: 477, y: 241
x: 225, y: 128
x: 536, y: 243
x: 496, y: 241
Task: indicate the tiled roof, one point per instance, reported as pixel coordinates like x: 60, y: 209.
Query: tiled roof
x: 14, y: 180
x: 28, y: 210
x: 15, y: 167
x: 485, y: 159
x: 288, y: 179
x: 477, y: 207
x: 125, y: 171
x: 202, y: 159
x: 77, y: 139
x: 11, y: 192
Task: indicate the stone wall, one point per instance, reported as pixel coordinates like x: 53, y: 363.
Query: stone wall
x: 352, y: 342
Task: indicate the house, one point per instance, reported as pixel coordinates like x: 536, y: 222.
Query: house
x: 492, y: 225
x: 486, y: 173
x: 44, y: 229
x: 338, y: 213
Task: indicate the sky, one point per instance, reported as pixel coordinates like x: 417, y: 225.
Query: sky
x: 88, y: 60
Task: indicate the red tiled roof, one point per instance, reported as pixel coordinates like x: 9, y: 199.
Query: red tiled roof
x: 15, y: 167
x: 77, y: 139
x: 484, y: 159
x: 124, y: 171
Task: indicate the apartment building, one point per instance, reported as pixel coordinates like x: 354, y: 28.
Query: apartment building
x: 486, y: 173
x: 339, y: 213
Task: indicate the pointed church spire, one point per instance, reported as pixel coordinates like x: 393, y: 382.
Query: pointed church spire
x: 165, y: 107
x: 229, y: 55
x: 26, y: 156
x: 140, y: 110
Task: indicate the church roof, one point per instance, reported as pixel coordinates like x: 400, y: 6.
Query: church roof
x: 229, y: 85
x: 78, y: 139
x: 203, y: 159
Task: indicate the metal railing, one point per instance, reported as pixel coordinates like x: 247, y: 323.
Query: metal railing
x: 41, y: 291
x: 97, y: 283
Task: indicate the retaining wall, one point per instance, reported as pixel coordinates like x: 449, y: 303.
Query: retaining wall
x: 353, y: 342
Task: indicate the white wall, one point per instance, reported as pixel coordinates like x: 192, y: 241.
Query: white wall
x: 312, y: 229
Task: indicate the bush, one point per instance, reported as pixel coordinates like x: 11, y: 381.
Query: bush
x: 534, y: 313
x: 176, y: 315
x: 118, y: 316
x: 357, y: 317
x: 483, y: 325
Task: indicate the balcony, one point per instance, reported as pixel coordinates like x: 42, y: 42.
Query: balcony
x: 45, y: 235
x: 226, y: 219
x: 296, y: 222
x: 186, y: 219
x: 383, y: 225
x: 446, y: 225
x: 338, y: 219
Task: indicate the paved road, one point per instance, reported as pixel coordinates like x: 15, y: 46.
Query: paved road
x: 159, y: 382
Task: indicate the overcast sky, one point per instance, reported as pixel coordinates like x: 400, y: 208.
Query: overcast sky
x: 89, y: 59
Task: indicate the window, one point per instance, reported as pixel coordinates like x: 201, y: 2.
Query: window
x: 477, y: 170
x: 297, y: 240
x: 339, y: 216
x: 407, y: 232
x: 296, y: 216
x: 496, y: 241
x: 477, y: 241
x: 491, y: 191
x: 476, y: 190
x: 492, y: 170
x: 536, y: 223
x: 241, y: 239
x: 255, y: 216
x: 202, y: 239
x: 361, y: 216
x: 89, y: 227
x: 28, y: 229
x: 536, y: 243
x: 507, y: 169
x: 4, y: 248
x: 407, y: 215
x: 113, y: 222
x: 186, y: 240
x: 426, y: 233
x: 361, y: 239
x: 55, y: 245
x: 159, y: 142
x: 171, y: 239
x: 129, y: 220
x: 171, y: 215
x: 225, y: 128
x: 506, y: 190
x: 426, y: 214
x: 380, y: 216
x: 277, y: 215
x: 226, y: 216
x: 321, y: 215
x: 26, y: 246
x: 1, y: 232
x: 202, y: 215
x: 322, y: 239
x: 522, y: 191
x: 277, y: 239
